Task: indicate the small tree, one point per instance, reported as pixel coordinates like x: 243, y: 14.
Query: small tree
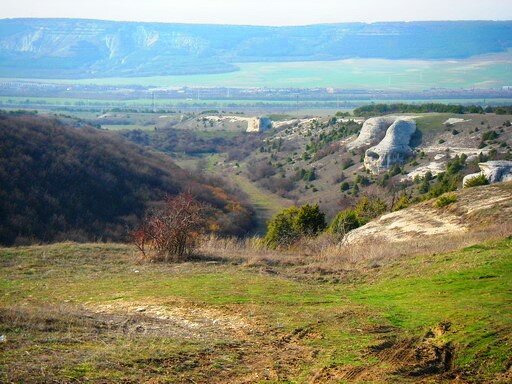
x: 476, y: 181
x: 368, y: 208
x: 171, y: 233
x: 292, y: 223
x: 344, y: 222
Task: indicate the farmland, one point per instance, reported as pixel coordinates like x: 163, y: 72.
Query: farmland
x: 487, y: 71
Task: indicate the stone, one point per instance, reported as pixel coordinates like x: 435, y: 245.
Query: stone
x: 494, y: 171
x: 393, y: 149
x: 258, y: 124
x: 372, y: 132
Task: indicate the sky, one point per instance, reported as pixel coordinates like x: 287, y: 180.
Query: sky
x: 261, y: 12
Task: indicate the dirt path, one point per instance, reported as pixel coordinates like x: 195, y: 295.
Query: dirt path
x: 264, y: 202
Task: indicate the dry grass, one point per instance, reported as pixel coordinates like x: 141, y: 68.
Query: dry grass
x: 326, y: 255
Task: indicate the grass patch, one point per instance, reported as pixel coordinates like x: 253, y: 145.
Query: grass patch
x: 52, y: 299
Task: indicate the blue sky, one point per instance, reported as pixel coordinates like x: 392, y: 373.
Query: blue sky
x: 262, y: 12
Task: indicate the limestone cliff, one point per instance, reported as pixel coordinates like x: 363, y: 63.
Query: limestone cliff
x: 372, y: 132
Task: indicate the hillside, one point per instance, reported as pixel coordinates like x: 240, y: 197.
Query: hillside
x: 433, y: 318
x: 67, y: 181
x: 72, y: 48
x: 473, y: 209
x: 309, y: 160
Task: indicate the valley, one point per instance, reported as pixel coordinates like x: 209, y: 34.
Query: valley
x: 197, y: 202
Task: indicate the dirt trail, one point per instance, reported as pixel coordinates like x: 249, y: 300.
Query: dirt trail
x: 264, y: 202
x: 266, y: 354
x: 187, y: 322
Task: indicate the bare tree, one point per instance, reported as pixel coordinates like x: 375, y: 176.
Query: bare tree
x: 171, y: 233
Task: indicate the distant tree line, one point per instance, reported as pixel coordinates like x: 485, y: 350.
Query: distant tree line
x: 383, y: 109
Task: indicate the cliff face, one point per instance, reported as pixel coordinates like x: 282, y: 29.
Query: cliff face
x: 85, y: 48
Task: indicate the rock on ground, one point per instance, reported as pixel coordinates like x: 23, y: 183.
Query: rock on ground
x: 372, y: 132
x: 494, y: 171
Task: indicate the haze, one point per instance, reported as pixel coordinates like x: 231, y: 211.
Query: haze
x: 261, y: 12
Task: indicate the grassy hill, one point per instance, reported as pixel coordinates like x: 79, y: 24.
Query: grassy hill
x: 430, y: 318
x: 60, y: 181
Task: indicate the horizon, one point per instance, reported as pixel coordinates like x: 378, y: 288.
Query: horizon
x: 259, y: 25
x: 257, y: 13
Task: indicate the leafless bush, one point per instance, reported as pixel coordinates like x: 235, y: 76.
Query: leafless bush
x: 260, y: 170
x: 171, y: 233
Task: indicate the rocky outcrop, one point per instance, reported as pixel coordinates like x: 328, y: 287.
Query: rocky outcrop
x: 425, y: 221
x: 372, y: 132
x: 494, y: 171
x: 255, y: 125
x: 393, y: 149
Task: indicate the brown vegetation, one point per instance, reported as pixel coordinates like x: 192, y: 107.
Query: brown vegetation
x: 60, y: 183
x: 170, y: 233
x: 326, y: 257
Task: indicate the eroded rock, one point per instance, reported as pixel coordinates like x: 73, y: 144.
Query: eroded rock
x: 372, y: 132
x: 494, y: 171
x: 393, y: 149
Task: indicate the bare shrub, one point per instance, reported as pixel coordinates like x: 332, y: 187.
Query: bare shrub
x: 171, y: 233
x: 260, y: 170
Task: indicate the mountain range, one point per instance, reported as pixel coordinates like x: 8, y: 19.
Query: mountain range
x: 79, y: 48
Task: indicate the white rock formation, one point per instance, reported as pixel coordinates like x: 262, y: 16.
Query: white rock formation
x: 372, y: 132
x: 393, y: 149
x: 256, y: 125
x: 494, y: 171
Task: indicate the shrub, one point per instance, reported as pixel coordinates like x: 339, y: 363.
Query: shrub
x: 369, y: 208
x: 476, y: 181
x: 446, y: 199
x: 292, y: 223
x: 403, y: 202
x: 490, y: 135
x: 171, y: 233
x: 347, y: 163
x: 308, y: 175
x: 344, y: 222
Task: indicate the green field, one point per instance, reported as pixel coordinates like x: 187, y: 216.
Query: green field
x: 92, y: 313
x: 489, y: 71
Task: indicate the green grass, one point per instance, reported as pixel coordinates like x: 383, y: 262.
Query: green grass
x: 127, y: 127
x: 265, y: 203
x: 471, y: 289
x: 489, y: 71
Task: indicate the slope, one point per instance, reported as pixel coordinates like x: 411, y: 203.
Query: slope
x: 472, y: 209
x: 432, y: 318
x: 74, y: 48
x: 63, y: 182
